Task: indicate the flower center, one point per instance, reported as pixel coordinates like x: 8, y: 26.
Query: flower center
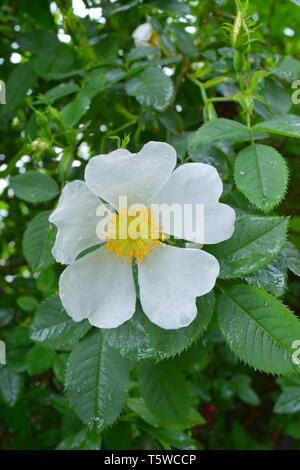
x: 133, y: 236
x: 153, y: 41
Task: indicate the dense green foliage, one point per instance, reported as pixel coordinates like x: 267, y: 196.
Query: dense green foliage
x: 77, y: 87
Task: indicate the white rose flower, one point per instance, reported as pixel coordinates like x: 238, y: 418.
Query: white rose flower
x: 100, y: 287
x: 144, y: 35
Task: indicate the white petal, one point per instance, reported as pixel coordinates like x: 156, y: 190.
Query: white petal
x: 137, y: 176
x: 100, y: 288
x: 197, y: 183
x: 170, y: 279
x: 142, y: 34
x: 75, y: 217
x: 191, y: 183
x: 218, y: 223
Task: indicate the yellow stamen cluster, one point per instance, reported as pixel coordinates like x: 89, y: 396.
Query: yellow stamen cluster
x: 131, y: 237
x: 153, y: 41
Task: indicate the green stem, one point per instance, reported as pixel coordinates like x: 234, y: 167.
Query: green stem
x: 202, y: 89
x: 241, y: 84
x: 222, y: 99
x: 249, y: 127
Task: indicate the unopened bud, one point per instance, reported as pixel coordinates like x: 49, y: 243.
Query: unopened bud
x: 238, y: 61
x: 197, y: 66
x: 237, y: 31
x: 39, y: 145
x: 55, y: 117
x: 41, y: 119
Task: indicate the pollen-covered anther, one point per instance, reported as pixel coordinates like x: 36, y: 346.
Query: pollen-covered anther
x: 138, y: 242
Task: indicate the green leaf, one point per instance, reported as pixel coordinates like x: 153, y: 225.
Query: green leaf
x: 152, y: 88
x: 292, y: 428
x: 53, y: 328
x: 244, y: 390
x: 288, y: 68
x: 36, y: 242
x: 216, y: 154
x: 96, y: 81
x: 61, y: 404
x: 39, y: 41
x: 292, y: 257
x: 83, y: 440
x: 184, y: 41
x: 180, y: 143
x: 288, y: 125
x: 172, y: 121
x: 59, y: 63
x: 11, y: 386
x: 96, y: 381
x: 107, y: 47
x: 112, y: 9
x: 20, y: 335
x: 6, y: 316
x: 60, y: 366
x: 74, y: 111
x: 16, y: 358
x: 27, y: 303
x: 139, y: 339
x: 47, y: 280
x: 39, y: 359
x: 60, y: 91
x: 256, y: 242
x: 240, y: 203
x: 216, y: 130
x: 259, y: 329
x: 272, y: 278
x: 22, y: 78
x: 141, y: 52
x: 173, y: 437
x: 165, y: 391
x: 288, y: 401
x: 174, y: 7
x: 39, y: 14
x: 34, y: 186
x: 258, y: 76
x: 139, y: 406
x: 261, y: 175
x: 276, y: 96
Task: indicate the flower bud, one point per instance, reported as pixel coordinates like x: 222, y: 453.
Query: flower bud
x: 238, y: 61
x: 41, y: 119
x: 55, y: 117
x: 197, y: 66
x: 238, y: 32
x: 39, y: 145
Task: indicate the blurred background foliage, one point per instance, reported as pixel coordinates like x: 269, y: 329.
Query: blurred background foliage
x: 60, y: 111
